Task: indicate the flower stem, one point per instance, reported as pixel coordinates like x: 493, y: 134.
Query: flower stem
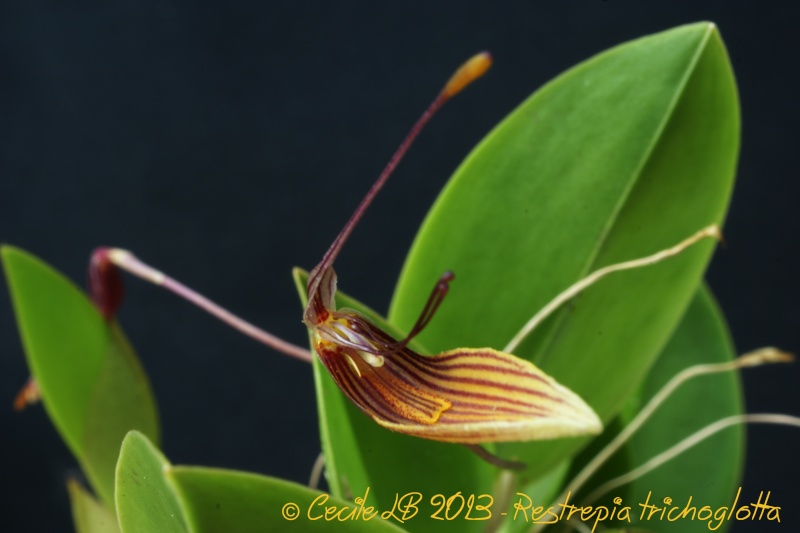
x: 128, y: 262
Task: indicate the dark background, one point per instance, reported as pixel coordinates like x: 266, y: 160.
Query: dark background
x: 226, y: 143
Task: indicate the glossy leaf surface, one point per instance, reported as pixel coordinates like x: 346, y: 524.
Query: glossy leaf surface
x: 620, y: 157
x: 91, y: 382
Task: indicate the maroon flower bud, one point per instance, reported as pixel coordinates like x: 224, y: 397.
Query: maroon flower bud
x: 105, y: 284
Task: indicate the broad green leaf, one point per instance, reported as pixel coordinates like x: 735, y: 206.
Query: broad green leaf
x: 361, y: 454
x: 700, y: 338
x: 624, y: 155
x: 237, y: 502
x: 145, y: 501
x: 89, y: 515
x: 92, y: 384
x: 710, y: 472
x: 154, y: 496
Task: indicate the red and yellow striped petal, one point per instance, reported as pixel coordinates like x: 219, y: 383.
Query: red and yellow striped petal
x: 466, y: 395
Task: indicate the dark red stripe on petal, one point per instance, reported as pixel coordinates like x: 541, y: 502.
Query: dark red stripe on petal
x: 463, y: 395
x: 501, y: 387
x: 434, y: 365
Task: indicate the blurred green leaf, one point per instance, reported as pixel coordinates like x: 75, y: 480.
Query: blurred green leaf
x: 702, y: 337
x: 89, y: 515
x: 91, y: 382
x: 359, y: 453
x: 154, y: 496
x: 238, y: 502
x: 146, y: 502
x: 620, y: 157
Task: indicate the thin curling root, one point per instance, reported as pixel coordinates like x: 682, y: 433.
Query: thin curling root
x: 474, y: 68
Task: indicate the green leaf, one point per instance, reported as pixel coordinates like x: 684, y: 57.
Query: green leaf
x: 624, y: 155
x: 702, y: 337
x: 145, y: 500
x: 91, y: 382
x: 238, y: 502
x: 152, y: 495
x: 89, y: 515
x: 360, y: 454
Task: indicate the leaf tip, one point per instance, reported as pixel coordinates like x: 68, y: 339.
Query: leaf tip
x: 6, y: 250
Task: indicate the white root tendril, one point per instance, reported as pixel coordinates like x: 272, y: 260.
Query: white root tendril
x: 689, y: 442
x: 758, y: 357
x: 712, y: 231
x: 316, y: 471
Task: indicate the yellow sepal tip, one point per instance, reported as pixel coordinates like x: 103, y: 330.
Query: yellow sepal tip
x: 474, y: 68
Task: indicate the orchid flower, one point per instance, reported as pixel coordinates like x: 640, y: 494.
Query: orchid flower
x: 464, y: 395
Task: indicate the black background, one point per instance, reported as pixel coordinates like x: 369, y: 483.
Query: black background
x: 227, y: 142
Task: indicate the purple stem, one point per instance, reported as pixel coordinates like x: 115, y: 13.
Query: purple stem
x: 128, y: 262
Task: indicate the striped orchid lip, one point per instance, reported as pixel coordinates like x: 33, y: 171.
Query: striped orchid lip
x: 466, y: 395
